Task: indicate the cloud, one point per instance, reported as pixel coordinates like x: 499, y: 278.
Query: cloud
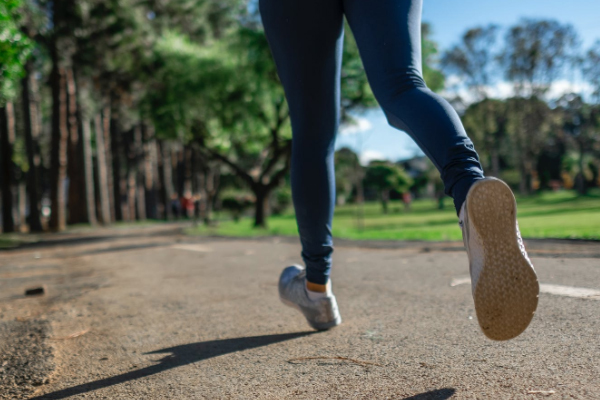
x: 503, y: 89
x: 359, y: 125
x: 369, y: 155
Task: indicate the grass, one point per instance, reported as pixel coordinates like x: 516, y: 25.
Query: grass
x: 547, y: 215
x: 14, y: 240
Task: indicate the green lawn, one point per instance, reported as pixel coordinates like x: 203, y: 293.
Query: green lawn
x: 547, y: 215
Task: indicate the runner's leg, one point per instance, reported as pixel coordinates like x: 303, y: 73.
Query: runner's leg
x: 306, y: 41
x: 388, y: 34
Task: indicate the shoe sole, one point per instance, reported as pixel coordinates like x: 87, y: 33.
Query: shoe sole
x: 315, y: 325
x: 506, y: 295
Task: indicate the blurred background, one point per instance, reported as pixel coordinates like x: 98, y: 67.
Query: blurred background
x: 129, y: 112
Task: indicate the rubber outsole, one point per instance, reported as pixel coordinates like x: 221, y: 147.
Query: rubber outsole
x: 315, y: 325
x: 506, y: 294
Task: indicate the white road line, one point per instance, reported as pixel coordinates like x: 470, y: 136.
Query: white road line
x: 569, y: 291
x: 191, y: 247
x: 460, y: 281
x: 557, y: 290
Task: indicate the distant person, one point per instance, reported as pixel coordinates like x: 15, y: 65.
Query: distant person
x: 187, y: 204
x: 407, y: 200
x: 306, y: 38
x: 175, y: 206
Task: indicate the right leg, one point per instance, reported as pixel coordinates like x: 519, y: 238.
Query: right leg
x: 306, y: 39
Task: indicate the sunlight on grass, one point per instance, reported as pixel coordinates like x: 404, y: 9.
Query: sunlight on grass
x: 548, y: 215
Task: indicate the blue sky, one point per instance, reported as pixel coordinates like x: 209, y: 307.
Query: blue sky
x: 449, y: 19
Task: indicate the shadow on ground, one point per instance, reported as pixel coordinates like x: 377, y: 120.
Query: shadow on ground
x: 70, y: 239
x: 179, y: 356
x: 440, y: 394
x: 194, y: 352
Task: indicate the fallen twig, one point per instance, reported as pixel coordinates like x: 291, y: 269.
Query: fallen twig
x: 359, y: 362
x: 72, y: 335
x: 543, y: 392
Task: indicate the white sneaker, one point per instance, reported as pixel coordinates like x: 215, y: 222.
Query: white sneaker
x: 321, y: 314
x: 504, y: 283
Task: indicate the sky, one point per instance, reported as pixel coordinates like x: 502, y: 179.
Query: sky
x: 372, y: 138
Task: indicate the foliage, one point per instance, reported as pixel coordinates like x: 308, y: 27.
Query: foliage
x: 237, y: 205
x: 591, y: 69
x: 15, y: 47
x: 474, y: 59
x: 432, y: 76
x: 536, y: 53
x: 348, y: 172
x: 385, y: 177
x: 487, y: 124
x: 282, y: 200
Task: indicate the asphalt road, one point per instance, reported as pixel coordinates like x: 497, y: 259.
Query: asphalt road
x: 152, y: 314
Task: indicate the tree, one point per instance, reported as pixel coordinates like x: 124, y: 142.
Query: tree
x: 486, y: 121
x: 581, y: 122
x: 15, y: 47
x: 7, y: 140
x: 528, y: 126
x: 432, y: 76
x: 227, y: 98
x: 348, y: 172
x: 536, y: 54
x: 473, y: 59
x: 31, y: 117
x: 590, y: 68
x: 385, y: 177
x: 14, y: 50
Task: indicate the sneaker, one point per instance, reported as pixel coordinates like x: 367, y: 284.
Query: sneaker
x: 321, y: 314
x: 504, y: 284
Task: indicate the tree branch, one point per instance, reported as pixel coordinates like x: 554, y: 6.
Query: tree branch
x: 275, y: 159
x: 239, y: 171
x: 279, y: 175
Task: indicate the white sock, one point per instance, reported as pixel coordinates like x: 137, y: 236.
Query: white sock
x: 319, y: 295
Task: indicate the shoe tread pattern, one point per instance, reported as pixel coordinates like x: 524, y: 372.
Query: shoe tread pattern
x: 506, y: 294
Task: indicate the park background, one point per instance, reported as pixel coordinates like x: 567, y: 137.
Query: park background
x: 128, y: 112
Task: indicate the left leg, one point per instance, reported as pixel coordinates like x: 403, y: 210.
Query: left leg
x: 388, y: 34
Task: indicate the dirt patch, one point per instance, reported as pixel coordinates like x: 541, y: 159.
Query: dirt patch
x: 26, y: 358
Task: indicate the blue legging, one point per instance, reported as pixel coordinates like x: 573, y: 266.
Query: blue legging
x: 306, y: 39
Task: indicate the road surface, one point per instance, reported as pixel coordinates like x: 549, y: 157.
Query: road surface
x: 149, y: 313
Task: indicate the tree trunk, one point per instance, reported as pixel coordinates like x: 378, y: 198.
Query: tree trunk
x: 495, y: 161
x: 85, y: 149
x: 580, y: 182
x: 59, y: 141
x: 88, y: 164
x: 523, y: 180
x: 102, y: 168
x: 119, y: 183
x: 78, y: 201
x: 31, y: 127
x: 150, y: 172
x: 166, y: 178
x: 213, y: 176
x: 22, y: 207
x: 7, y: 138
x: 262, y: 197
x: 139, y: 172
x: 385, y: 197
x: 108, y: 157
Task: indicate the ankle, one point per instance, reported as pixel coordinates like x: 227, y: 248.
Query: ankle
x: 316, y: 291
x: 315, y: 287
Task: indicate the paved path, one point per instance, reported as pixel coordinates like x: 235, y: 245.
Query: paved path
x: 152, y: 314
